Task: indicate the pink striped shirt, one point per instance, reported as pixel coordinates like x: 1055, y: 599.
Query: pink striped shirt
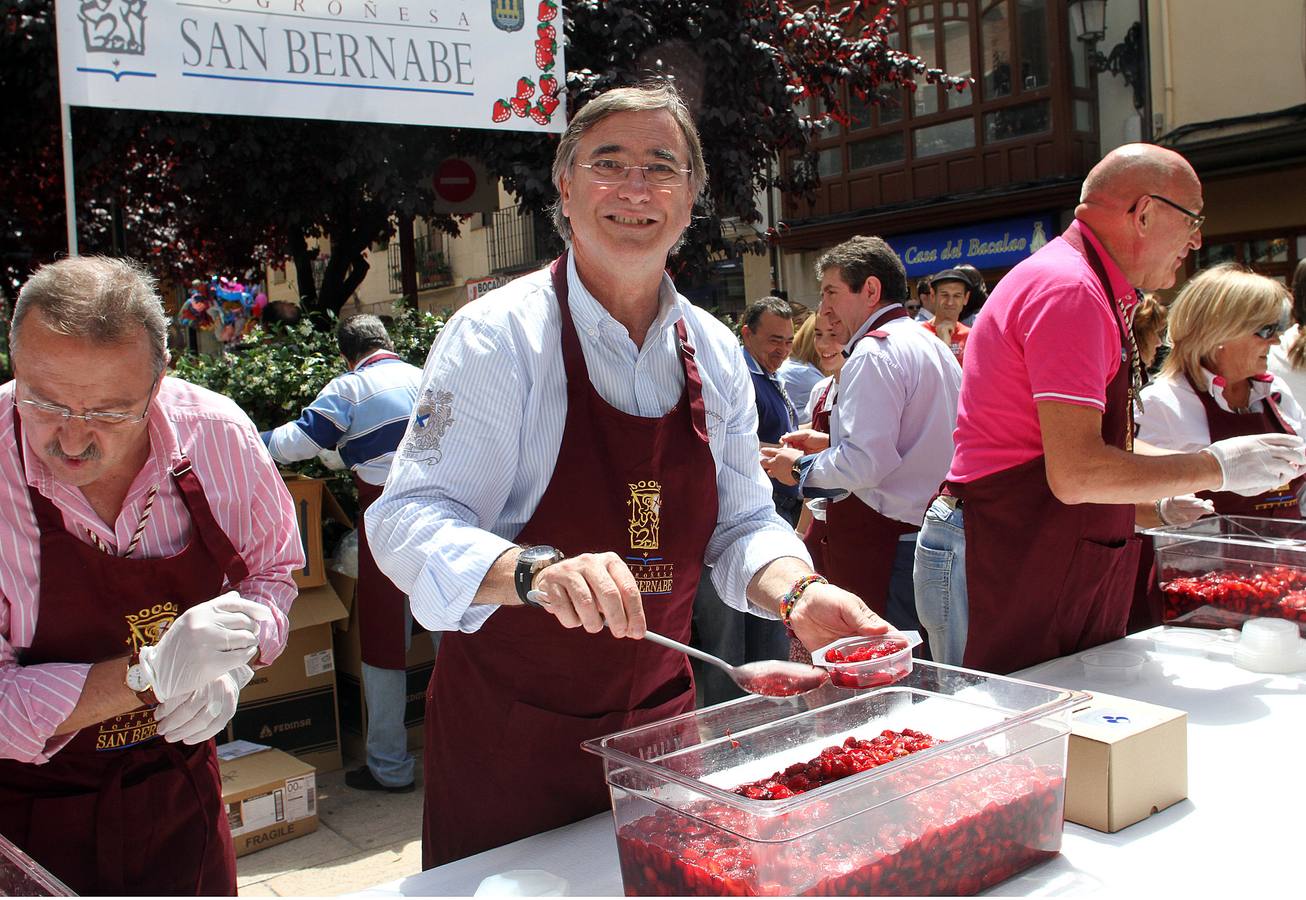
x: 249, y: 502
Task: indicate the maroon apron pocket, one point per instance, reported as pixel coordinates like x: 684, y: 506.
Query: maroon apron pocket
x: 1093, y: 604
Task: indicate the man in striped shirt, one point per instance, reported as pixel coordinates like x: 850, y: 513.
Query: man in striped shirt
x: 363, y: 414
x: 129, y: 502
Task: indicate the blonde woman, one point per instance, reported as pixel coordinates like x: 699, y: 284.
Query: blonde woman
x: 799, y: 373
x: 1214, y: 384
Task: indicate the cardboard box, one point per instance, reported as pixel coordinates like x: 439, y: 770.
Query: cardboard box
x: 1127, y: 760
x: 307, y: 496
x: 291, y: 704
x: 270, y: 798
x: 349, y: 679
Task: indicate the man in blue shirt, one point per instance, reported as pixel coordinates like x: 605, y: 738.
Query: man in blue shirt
x: 363, y: 414
x: 767, y: 334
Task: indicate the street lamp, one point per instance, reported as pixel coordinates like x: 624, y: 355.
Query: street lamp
x: 1088, y: 19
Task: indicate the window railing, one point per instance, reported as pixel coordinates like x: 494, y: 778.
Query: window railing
x: 518, y: 239
x: 431, y: 255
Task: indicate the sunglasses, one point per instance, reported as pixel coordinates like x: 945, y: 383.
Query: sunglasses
x: 1271, y: 331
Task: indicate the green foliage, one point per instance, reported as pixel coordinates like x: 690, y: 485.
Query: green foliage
x: 277, y: 372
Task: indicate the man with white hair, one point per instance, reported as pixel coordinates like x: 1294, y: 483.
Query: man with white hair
x: 1033, y: 535
x: 585, y: 441
x: 131, y: 503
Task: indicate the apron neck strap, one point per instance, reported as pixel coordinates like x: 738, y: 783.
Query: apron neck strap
x: 578, y: 372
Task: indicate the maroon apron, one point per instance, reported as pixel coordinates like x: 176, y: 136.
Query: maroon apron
x: 859, y: 544
x: 1279, y: 503
x: 118, y: 810
x: 382, y: 620
x: 814, y: 537
x: 1044, y: 578
x: 508, y: 705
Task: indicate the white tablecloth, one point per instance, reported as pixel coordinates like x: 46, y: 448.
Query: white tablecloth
x: 1239, y: 832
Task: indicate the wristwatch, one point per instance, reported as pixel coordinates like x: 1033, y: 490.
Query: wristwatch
x: 797, y: 471
x: 138, y: 682
x: 529, y: 563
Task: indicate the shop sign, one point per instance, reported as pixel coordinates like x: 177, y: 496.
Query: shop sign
x: 989, y: 245
x: 476, y: 65
x: 479, y: 287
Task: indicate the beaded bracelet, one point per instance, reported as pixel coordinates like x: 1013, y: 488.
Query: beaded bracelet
x: 790, y: 600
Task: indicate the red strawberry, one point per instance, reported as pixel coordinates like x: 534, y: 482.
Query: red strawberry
x: 547, y: 32
x: 519, y: 105
x: 548, y: 10
x: 539, y: 115
x: 502, y: 111
x: 549, y: 103
x: 548, y: 86
x: 543, y: 56
x: 525, y: 88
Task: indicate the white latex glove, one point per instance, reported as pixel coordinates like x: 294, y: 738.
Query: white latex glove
x: 1183, y: 509
x: 332, y: 460
x: 207, y: 640
x: 195, y: 717
x: 1254, y: 464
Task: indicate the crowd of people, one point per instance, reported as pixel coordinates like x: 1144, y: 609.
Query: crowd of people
x: 587, y: 456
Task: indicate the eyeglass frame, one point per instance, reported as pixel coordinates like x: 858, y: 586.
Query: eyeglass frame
x: 1197, y: 219
x: 92, y: 419
x: 625, y: 172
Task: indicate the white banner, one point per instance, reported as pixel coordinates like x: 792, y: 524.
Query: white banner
x: 452, y: 63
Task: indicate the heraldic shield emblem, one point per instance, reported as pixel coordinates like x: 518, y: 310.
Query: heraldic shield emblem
x: 113, y: 26
x: 508, y: 15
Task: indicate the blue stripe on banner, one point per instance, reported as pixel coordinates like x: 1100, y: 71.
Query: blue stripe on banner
x: 377, y: 442
x: 320, y: 430
x: 117, y: 76
x: 330, y: 84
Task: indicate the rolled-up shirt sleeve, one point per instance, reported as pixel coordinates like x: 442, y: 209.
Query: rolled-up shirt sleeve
x: 34, y: 701
x: 749, y: 533
x: 450, y: 479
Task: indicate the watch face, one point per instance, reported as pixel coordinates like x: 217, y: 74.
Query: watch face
x: 535, y: 555
x: 136, y: 679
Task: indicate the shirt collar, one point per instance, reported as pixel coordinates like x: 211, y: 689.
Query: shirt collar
x: 589, y: 314
x: 1121, y: 289
x: 367, y: 359
x: 1262, y: 387
x: 866, y: 326
x: 753, y: 365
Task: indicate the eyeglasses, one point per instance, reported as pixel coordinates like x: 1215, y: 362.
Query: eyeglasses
x: 1271, y: 331
x: 51, y: 413
x: 1196, y: 220
x: 612, y: 171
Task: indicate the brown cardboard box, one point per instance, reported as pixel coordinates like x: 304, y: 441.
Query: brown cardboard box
x: 291, y: 704
x: 349, y: 679
x: 270, y: 797
x: 1127, y: 760
x: 307, y: 496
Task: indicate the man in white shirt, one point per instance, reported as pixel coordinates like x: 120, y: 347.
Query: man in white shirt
x: 890, y: 439
x: 588, y: 408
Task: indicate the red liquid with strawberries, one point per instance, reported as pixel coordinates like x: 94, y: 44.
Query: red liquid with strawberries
x: 877, y: 648
x: 1226, y: 598
x: 964, y: 822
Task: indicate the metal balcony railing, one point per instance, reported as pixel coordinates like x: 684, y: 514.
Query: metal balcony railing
x: 431, y: 252
x: 519, y: 240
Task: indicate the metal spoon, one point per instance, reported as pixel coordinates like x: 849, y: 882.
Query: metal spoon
x: 768, y: 677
